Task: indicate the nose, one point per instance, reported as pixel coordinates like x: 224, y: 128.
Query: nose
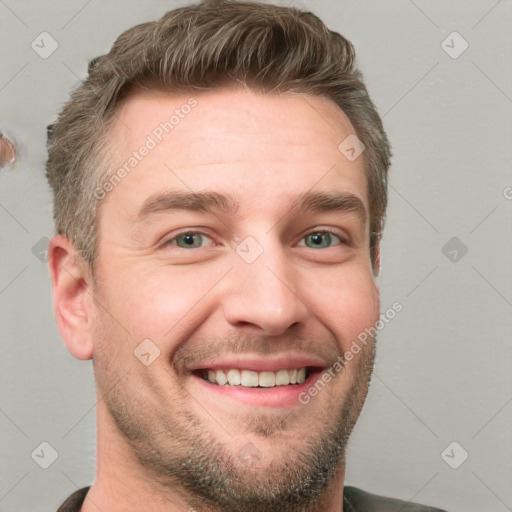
x: 265, y: 294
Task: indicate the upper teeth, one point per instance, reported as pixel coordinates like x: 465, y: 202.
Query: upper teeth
x: 252, y: 379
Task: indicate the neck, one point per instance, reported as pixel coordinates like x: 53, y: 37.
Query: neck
x: 122, y: 484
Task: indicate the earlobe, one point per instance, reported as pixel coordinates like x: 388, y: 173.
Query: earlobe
x: 72, y: 296
x: 376, y: 269
x: 376, y: 265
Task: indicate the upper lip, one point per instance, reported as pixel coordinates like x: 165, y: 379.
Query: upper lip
x: 256, y: 363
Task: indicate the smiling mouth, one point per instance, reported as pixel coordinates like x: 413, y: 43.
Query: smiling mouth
x: 253, y: 379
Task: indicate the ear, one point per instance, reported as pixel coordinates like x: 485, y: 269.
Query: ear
x: 72, y: 296
x: 376, y: 265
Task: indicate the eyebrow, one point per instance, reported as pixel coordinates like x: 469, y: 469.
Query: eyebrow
x: 216, y: 202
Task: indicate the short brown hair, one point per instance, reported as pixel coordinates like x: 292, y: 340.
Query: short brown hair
x: 198, y: 48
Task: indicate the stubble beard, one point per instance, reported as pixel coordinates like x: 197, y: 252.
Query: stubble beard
x: 184, y: 458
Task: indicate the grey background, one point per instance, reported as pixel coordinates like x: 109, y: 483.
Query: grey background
x: 444, y: 363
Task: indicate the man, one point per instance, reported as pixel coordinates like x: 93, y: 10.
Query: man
x: 220, y: 189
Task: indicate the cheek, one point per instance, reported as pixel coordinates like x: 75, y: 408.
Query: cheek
x: 152, y: 303
x: 164, y: 303
x: 347, y: 304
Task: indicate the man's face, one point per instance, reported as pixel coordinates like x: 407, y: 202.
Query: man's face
x: 253, y: 294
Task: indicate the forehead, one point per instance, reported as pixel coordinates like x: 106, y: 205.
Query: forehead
x: 260, y: 147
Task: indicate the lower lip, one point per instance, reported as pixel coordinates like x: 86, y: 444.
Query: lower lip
x: 278, y: 397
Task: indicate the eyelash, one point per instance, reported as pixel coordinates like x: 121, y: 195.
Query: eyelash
x: 343, y: 241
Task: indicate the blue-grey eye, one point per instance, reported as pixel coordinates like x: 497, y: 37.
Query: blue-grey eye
x: 188, y: 240
x: 320, y: 239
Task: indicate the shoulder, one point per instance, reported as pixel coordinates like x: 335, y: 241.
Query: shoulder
x: 75, y: 501
x: 356, y: 499
x: 361, y: 501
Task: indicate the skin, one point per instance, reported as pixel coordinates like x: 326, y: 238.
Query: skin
x: 207, y: 303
